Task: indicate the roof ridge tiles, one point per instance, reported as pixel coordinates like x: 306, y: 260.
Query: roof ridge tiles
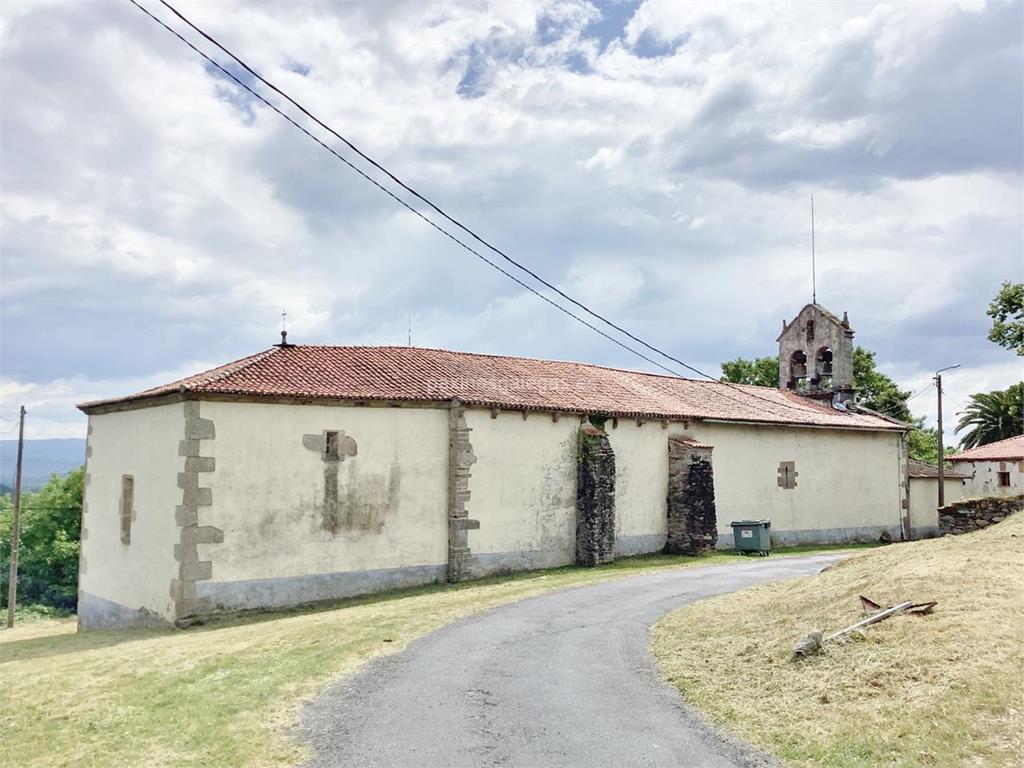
x: 427, y: 375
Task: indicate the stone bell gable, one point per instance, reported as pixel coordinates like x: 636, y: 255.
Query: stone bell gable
x: 816, y: 355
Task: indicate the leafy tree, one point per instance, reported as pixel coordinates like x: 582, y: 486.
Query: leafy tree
x: 1007, y: 313
x: 922, y: 443
x: 875, y: 390
x: 993, y: 416
x: 762, y: 371
x: 48, y: 555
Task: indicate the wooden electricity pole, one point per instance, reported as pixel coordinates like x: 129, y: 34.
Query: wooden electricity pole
x: 939, y: 445
x: 938, y: 437
x: 12, y: 585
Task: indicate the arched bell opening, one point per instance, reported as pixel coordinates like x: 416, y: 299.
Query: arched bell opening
x: 797, y: 370
x: 822, y: 378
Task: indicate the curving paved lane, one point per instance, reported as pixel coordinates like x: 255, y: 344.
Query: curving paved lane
x: 562, y: 679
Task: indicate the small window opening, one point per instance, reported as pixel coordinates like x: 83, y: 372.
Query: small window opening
x: 331, y: 445
x: 1004, y: 479
x: 810, y: 330
x: 787, y: 474
x: 127, y: 507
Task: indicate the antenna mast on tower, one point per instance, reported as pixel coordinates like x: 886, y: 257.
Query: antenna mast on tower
x: 814, y: 276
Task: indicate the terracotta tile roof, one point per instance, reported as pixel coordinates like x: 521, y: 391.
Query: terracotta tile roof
x: 924, y: 469
x: 694, y: 443
x: 1010, y: 449
x: 414, y: 374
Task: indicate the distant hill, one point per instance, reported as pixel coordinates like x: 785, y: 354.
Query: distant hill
x: 42, y: 458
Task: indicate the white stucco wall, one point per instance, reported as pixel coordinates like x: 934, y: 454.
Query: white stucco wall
x: 117, y: 578
x: 641, y: 485
x: 924, y: 502
x: 848, y: 483
x: 523, y: 488
x: 983, y: 478
x: 268, y: 499
x: 269, y: 485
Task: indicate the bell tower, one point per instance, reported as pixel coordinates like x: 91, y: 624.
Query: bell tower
x: 816, y: 356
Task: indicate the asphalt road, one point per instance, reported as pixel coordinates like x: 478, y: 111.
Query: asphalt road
x: 563, y: 679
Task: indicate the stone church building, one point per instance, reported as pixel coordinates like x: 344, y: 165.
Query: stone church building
x: 306, y: 473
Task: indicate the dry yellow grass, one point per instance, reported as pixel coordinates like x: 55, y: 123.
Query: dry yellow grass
x: 939, y: 690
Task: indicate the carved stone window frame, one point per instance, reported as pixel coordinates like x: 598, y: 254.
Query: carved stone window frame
x: 787, y: 475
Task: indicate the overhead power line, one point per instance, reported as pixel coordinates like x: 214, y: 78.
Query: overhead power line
x: 427, y: 201
x: 395, y: 197
x: 891, y: 410
x: 436, y: 208
x: 895, y: 410
x: 921, y: 391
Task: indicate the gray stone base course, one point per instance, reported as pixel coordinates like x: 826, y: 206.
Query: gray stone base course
x: 489, y: 564
x: 867, y: 533
x: 96, y: 612
x: 286, y: 591
x: 642, y: 544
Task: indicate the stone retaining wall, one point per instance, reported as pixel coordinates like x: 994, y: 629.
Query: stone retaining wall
x: 974, y: 514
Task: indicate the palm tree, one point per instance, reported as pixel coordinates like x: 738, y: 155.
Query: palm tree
x: 993, y: 416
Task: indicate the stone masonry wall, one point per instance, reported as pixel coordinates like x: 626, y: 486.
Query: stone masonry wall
x: 692, y: 521
x: 461, y: 562
x: 195, y: 499
x: 974, y: 514
x: 595, y: 498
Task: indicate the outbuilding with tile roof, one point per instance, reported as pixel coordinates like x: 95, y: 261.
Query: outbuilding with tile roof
x: 994, y: 469
x: 924, y: 494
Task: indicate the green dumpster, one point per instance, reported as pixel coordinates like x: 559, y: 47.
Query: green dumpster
x: 752, y: 536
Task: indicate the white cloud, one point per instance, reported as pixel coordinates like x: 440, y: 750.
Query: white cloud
x: 154, y: 215
x: 51, y: 406
x: 957, y: 385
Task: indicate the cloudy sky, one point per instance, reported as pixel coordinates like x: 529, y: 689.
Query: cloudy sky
x: 655, y: 159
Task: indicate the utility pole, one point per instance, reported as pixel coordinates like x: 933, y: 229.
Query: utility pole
x: 938, y: 437
x: 12, y: 585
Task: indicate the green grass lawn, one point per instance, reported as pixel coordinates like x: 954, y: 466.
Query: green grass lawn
x: 226, y: 693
